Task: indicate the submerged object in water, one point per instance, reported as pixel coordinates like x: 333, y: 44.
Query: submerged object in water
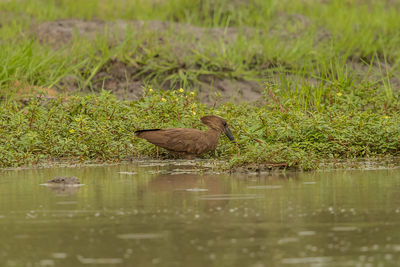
x: 64, y: 180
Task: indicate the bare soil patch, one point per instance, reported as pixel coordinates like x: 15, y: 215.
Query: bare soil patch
x: 61, y: 32
x: 123, y: 80
x: 119, y: 77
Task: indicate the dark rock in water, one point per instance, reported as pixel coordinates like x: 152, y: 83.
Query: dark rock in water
x: 64, y: 180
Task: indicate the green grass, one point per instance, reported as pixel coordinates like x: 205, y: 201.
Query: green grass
x: 328, y: 42
x: 332, y: 70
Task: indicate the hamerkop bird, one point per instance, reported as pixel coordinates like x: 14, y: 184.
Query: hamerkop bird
x: 189, y: 142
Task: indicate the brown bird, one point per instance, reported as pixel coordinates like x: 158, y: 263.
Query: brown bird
x: 189, y: 142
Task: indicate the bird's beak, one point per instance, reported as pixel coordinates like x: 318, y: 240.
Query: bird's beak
x: 228, y: 133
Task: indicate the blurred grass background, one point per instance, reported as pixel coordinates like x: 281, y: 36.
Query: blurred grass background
x: 309, y: 43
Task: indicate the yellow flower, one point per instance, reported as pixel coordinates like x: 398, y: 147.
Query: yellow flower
x: 194, y: 113
x: 72, y: 131
x: 191, y: 93
x: 339, y: 94
x: 181, y: 90
x: 150, y: 90
x: 78, y: 119
x: 386, y: 117
x: 163, y: 99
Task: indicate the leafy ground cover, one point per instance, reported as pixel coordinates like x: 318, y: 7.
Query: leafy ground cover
x: 275, y: 134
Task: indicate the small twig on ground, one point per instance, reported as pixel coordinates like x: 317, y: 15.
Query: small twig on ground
x: 281, y: 164
x: 273, y: 96
x: 238, y: 149
x: 337, y: 141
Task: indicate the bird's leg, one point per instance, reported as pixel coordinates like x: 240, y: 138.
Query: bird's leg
x: 189, y: 156
x: 238, y: 149
x: 157, y: 151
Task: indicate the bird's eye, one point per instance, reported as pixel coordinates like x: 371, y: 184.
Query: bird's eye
x: 225, y: 124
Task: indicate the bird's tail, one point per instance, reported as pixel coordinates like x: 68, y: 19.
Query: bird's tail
x: 139, y: 132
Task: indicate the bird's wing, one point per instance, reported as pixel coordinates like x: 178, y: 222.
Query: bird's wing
x: 177, y: 139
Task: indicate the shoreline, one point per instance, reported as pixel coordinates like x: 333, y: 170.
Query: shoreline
x: 216, y: 166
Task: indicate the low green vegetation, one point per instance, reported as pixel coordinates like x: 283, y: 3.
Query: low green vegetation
x: 100, y: 128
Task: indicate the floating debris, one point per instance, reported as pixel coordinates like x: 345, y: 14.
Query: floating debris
x: 84, y: 260
x: 64, y: 180
x: 138, y: 236
x: 59, y: 255
x: 46, y: 262
x: 287, y: 240
x: 306, y: 260
x: 306, y: 233
x: 64, y: 185
x: 156, y: 172
x: 196, y: 189
x: 230, y: 196
x: 344, y: 228
x: 128, y: 173
x: 264, y: 186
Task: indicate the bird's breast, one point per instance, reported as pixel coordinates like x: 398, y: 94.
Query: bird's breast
x: 210, y: 140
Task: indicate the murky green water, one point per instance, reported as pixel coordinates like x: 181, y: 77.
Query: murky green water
x: 135, y: 216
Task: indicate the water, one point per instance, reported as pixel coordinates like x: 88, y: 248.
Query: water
x: 127, y: 215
